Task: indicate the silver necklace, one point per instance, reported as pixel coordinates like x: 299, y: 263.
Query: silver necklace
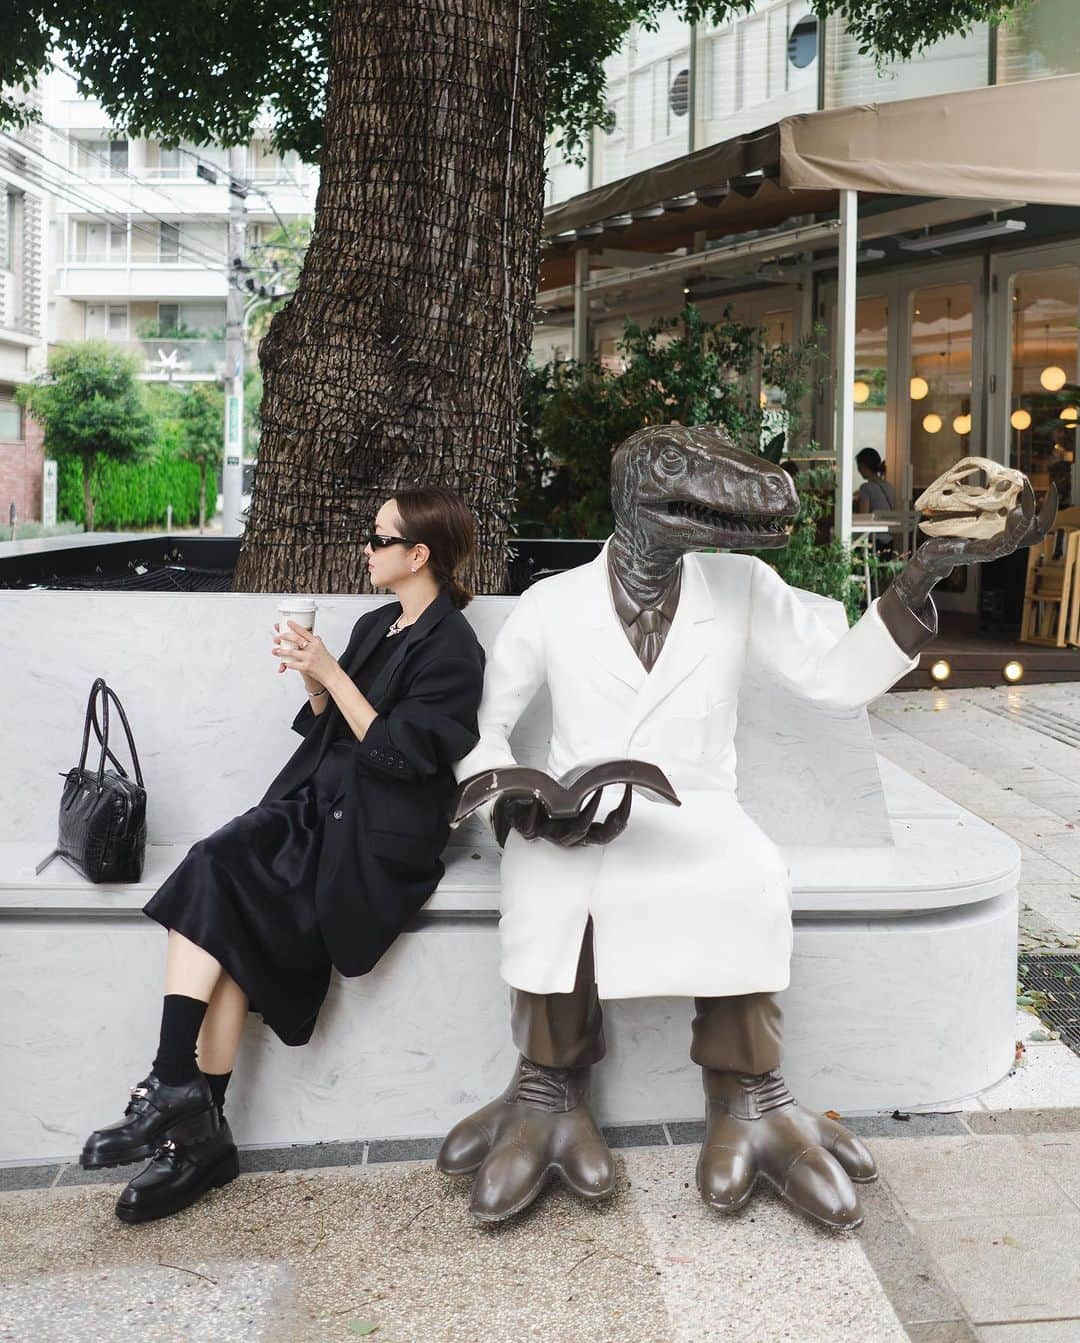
x: 397, y: 626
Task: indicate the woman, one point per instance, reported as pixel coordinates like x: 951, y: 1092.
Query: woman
x: 876, y: 492
x: 340, y: 853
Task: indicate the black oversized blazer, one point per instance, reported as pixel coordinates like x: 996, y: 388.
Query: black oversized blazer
x: 383, y: 838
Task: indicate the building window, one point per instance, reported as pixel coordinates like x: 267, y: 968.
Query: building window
x: 102, y: 158
x: 169, y: 243
x: 11, y: 228
x: 803, y: 42
x: 679, y: 94
x: 106, y: 321
x: 1039, y: 41
x: 11, y: 419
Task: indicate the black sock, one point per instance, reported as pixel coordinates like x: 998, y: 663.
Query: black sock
x: 218, y: 1084
x: 181, y: 1019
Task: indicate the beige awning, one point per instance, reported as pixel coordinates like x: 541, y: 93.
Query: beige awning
x: 1011, y: 141
x: 1008, y: 142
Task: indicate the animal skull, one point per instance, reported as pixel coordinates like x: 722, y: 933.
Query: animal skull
x: 970, y: 510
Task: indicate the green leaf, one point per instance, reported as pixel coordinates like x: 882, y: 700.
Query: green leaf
x: 362, y: 1327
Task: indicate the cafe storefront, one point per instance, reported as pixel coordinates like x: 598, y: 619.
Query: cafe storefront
x: 937, y: 241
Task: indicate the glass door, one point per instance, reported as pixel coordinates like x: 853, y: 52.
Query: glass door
x: 1035, y: 396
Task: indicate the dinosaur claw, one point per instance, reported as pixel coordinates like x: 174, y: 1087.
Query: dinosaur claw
x: 819, y: 1186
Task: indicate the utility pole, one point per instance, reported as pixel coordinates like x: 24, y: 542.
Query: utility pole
x: 232, y: 476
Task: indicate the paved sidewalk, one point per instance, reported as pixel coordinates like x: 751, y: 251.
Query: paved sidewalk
x: 970, y: 1233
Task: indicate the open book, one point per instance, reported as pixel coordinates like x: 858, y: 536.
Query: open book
x: 565, y: 797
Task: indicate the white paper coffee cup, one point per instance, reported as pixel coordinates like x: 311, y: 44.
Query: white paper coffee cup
x: 300, y: 610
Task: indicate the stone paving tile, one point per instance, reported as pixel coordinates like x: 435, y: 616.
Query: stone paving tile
x: 767, y: 1274
x: 635, y: 1135
x: 968, y: 1176
x: 73, y: 1174
x: 27, y: 1177
x: 914, y: 1126
x: 942, y: 1331
x: 1008, y: 1267
x: 301, y: 1156
x: 1024, y: 1121
x: 404, y: 1149
x: 389, y: 1245
x: 197, y: 1302
x: 1059, y: 1155
x: 1049, y: 1078
x: 687, y: 1131
x: 1058, y: 902
x: 1063, y: 850
x: 1041, y: 1331
x: 913, y: 1285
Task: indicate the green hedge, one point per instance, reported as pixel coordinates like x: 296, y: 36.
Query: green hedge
x: 135, y: 494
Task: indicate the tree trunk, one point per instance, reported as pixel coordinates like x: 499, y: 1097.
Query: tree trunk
x: 202, y: 497
x: 401, y: 357
x: 87, y: 495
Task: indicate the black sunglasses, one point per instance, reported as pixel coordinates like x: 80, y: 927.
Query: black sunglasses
x: 377, y: 542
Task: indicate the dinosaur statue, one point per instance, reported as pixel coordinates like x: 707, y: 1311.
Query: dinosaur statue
x: 642, y: 651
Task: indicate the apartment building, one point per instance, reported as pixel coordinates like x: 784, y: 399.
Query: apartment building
x: 140, y: 234
x: 23, y: 208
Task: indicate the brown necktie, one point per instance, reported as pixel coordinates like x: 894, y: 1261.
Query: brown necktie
x: 649, y: 627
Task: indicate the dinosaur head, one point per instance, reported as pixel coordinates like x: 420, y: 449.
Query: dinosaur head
x: 675, y: 489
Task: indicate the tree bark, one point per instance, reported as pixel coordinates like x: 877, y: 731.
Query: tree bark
x: 401, y: 358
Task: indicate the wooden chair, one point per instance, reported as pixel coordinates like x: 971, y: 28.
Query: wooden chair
x: 1052, y: 589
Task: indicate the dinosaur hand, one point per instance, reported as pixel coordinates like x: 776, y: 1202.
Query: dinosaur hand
x: 1023, y: 527
x: 529, y: 817
x: 936, y: 558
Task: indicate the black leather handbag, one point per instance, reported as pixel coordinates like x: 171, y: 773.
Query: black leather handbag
x: 102, y: 828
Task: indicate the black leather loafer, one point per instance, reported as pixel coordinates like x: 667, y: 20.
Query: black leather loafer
x: 154, y: 1112
x: 179, y: 1174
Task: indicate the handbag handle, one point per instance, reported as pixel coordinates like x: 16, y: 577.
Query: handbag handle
x: 106, y: 693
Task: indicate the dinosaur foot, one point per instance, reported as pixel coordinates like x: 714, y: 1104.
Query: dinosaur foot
x: 539, y: 1129
x: 756, y: 1130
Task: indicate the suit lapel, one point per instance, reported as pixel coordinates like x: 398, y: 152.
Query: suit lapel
x: 685, y: 648
x: 607, y: 641
x: 688, y: 640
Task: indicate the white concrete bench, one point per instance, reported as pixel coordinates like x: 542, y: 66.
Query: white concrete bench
x: 905, y: 904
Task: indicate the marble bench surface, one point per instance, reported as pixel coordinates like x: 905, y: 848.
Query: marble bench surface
x: 941, y: 857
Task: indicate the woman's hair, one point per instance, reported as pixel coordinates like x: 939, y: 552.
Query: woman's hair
x: 869, y: 458
x: 439, y: 517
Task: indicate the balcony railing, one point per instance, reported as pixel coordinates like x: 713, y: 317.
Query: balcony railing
x: 167, y: 358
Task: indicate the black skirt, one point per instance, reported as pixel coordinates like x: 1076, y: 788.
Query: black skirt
x: 246, y: 894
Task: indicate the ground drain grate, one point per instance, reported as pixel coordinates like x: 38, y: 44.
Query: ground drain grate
x: 1061, y: 727
x: 1052, y: 983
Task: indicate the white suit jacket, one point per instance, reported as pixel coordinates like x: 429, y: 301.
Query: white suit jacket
x: 688, y: 900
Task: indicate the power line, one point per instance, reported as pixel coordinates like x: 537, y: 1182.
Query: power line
x: 100, y: 210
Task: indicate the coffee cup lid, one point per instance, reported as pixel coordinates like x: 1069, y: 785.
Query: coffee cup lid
x: 296, y: 604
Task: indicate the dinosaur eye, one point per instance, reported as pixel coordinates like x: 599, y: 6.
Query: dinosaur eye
x: 671, y: 461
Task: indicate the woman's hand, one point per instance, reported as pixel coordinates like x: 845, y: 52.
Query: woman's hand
x: 304, y: 652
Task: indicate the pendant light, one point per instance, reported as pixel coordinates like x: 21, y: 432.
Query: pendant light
x: 962, y: 425
x: 932, y: 423
x: 919, y: 389
x: 1020, y: 419
x: 860, y: 391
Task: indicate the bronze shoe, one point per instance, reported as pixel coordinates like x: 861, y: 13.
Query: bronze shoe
x: 541, y: 1126
x: 755, y: 1128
